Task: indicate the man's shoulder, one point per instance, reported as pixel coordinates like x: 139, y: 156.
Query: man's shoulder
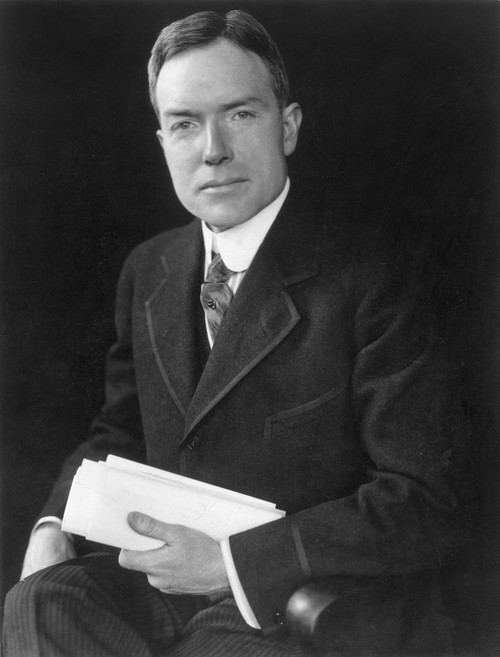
x: 150, y: 254
x: 148, y: 262
x: 169, y: 240
x: 351, y: 249
x: 335, y: 231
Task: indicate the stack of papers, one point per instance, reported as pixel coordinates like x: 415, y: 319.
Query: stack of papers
x: 103, y: 494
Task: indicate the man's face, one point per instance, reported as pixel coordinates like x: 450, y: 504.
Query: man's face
x: 224, y: 136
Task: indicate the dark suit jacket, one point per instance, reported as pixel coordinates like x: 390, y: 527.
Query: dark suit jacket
x: 323, y: 394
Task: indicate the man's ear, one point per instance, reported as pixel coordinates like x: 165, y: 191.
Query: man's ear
x: 159, y: 134
x: 292, y: 118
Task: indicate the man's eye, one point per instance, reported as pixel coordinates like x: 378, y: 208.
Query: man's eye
x: 182, y: 126
x: 242, y: 115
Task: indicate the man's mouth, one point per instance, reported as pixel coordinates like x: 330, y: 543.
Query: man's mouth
x: 221, y: 185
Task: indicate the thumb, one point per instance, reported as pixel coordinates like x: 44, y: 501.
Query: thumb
x: 147, y: 526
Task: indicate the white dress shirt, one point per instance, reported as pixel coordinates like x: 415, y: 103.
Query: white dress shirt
x: 237, y: 246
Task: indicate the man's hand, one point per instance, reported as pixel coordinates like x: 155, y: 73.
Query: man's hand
x: 190, y: 562
x: 48, y: 545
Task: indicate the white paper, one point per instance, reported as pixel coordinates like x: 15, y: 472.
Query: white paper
x: 103, y: 494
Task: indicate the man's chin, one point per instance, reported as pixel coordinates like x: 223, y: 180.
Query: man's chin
x: 218, y: 223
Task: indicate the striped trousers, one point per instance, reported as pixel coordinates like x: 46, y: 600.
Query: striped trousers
x: 92, y: 607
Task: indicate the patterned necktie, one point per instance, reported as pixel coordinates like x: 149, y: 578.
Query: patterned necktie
x: 216, y: 294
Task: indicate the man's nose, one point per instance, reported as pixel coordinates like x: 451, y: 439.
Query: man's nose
x: 217, y: 148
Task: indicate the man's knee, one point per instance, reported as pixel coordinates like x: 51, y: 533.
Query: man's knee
x: 26, y: 606
x: 27, y: 592
x: 49, y: 589
x: 49, y: 605
x: 33, y: 593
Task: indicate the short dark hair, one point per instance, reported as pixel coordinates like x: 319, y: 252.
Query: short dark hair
x: 205, y: 27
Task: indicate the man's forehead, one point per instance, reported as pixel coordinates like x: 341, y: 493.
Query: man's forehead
x: 221, y: 71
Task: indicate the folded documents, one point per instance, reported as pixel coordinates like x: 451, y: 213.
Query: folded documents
x: 103, y: 494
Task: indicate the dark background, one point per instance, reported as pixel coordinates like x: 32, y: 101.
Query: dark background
x: 400, y: 102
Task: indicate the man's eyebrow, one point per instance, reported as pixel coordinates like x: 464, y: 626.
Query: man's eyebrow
x: 250, y: 100
x: 179, y: 112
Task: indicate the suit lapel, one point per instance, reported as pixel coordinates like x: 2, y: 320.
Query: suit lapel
x: 261, y: 315
x: 171, y: 315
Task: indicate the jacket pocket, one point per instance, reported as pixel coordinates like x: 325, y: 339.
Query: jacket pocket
x: 303, y: 414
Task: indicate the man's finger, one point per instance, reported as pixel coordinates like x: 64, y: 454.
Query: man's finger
x: 148, y: 526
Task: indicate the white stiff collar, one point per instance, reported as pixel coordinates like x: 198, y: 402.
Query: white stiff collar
x: 239, y: 244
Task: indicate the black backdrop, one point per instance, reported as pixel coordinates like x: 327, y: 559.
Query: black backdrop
x: 399, y: 98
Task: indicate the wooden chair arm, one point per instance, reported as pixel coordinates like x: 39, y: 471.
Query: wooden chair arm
x: 372, y: 617
x: 305, y: 607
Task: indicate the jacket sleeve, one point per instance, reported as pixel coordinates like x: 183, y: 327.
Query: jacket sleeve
x: 118, y: 427
x: 407, y: 517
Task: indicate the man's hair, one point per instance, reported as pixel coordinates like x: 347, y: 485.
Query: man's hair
x: 205, y: 27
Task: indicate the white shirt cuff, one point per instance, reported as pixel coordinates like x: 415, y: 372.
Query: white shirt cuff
x: 45, y: 519
x: 238, y: 592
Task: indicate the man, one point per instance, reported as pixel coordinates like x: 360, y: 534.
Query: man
x: 301, y: 377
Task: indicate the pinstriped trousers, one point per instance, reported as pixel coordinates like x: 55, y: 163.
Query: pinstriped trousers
x: 92, y: 607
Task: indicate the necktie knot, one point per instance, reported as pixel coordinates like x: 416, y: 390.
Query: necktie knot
x: 216, y: 295
x: 217, y: 271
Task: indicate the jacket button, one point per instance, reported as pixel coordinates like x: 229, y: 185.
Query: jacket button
x: 279, y: 618
x: 194, y: 443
